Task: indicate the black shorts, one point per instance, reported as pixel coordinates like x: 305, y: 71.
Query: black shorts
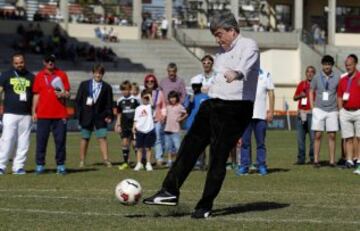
x: 126, y: 133
x: 126, y: 129
x: 145, y: 140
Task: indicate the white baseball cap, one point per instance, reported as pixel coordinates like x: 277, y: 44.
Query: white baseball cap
x: 196, y: 80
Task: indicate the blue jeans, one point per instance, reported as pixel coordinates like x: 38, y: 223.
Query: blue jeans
x: 58, y: 128
x: 259, y: 127
x: 302, y: 129
x: 160, y: 141
x: 172, y: 141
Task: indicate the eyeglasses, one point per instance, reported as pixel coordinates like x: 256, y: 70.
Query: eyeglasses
x: 207, y: 63
x: 149, y: 81
x: 49, y: 61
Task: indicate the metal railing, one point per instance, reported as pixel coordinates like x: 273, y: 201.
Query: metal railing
x: 186, y: 41
x: 319, y: 47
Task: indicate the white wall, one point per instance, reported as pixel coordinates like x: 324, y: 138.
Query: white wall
x: 284, y: 65
x: 347, y: 40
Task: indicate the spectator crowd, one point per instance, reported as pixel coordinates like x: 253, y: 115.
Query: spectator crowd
x: 155, y: 116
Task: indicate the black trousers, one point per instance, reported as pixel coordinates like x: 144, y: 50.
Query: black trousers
x: 58, y: 128
x: 219, y: 123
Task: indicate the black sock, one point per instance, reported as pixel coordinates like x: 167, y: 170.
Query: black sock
x: 125, y: 152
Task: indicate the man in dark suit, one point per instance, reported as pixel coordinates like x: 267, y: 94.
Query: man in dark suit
x: 94, y: 101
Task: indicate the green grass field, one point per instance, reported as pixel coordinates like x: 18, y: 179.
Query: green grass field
x: 289, y: 198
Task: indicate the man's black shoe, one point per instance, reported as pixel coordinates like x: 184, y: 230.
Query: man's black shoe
x: 162, y: 198
x: 201, y: 214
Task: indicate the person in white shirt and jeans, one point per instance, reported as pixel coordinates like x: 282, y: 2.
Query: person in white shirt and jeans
x: 221, y: 120
x: 258, y: 125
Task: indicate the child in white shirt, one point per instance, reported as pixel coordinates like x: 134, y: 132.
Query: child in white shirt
x: 144, y: 130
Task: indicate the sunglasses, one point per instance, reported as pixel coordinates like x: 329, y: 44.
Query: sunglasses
x: 49, y: 61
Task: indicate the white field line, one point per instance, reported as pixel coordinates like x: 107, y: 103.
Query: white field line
x: 347, y: 194
x: 191, y: 202
x: 236, y: 219
x: 287, y: 221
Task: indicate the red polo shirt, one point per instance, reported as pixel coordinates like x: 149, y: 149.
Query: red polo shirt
x: 354, y: 90
x: 303, y: 86
x: 49, y: 106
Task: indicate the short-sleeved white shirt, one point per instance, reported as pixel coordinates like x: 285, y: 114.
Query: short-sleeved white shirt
x: 143, y: 119
x: 206, y: 81
x: 264, y: 85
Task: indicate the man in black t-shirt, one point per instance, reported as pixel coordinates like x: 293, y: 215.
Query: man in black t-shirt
x: 125, y: 119
x: 17, y: 87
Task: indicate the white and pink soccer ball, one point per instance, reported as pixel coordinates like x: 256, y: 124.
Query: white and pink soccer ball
x: 128, y: 192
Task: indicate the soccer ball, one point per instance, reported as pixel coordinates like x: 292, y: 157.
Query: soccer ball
x: 128, y: 192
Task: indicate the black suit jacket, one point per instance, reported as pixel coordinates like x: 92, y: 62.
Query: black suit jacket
x: 90, y: 116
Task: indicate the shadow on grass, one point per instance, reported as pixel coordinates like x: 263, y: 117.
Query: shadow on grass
x: 68, y: 170
x: 232, y: 210
x: 250, y: 207
x: 275, y: 170
x: 113, y: 163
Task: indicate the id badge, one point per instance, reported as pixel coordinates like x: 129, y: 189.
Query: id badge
x: 325, y: 96
x: 23, y: 97
x: 89, y: 101
x: 304, y: 101
x: 346, y: 96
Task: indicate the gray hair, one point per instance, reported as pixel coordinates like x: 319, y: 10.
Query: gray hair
x: 224, y: 21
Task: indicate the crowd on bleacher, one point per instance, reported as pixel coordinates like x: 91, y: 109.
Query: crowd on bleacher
x: 154, y: 29
x: 33, y: 39
x: 16, y: 14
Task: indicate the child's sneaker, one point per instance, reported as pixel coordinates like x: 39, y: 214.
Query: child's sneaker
x: 139, y: 166
x: 169, y: 164
x: 229, y: 166
x: 148, y: 166
x: 82, y: 164
x: 20, y: 171
x: 349, y: 164
x: 107, y: 163
x: 123, y: 166
x: 253, y: 168
x: 357, y: 171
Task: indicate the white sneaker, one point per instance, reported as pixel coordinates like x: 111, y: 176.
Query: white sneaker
x: 148, y: 166
x: 357, y: 171
x: 139, y: 166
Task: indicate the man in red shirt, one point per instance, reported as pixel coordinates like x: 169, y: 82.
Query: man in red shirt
x: 304, y: 117
x: 51, y: 89
x: 349, y: 105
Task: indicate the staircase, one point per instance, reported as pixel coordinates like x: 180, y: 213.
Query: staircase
x: 156, y: 55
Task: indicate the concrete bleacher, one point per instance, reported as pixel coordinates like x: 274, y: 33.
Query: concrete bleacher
x: 135, y: 60
x: 156, y: 55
